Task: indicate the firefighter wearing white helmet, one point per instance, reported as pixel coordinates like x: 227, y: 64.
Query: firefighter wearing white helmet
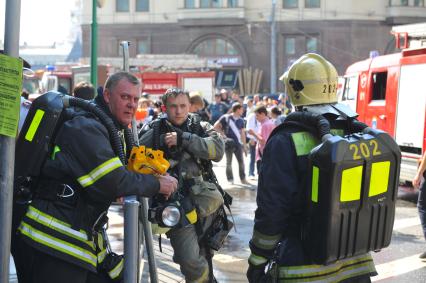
x: 284, y: 246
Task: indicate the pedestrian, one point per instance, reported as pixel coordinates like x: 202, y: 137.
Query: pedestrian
x: 421, y: 202
x: 283, y: 183
x: 276, y: 116
x: 252, y: 126
x: 224, y: 96
x: 84, y: 90
x: 284, y: 104
x: 265, y: 129
x: 61, y: 238
x: 232, y: 127
x: 217, y: 108
x: 187, y: 143
x: 196, y: 102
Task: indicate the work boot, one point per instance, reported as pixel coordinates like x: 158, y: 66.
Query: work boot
x: 245, y: 182
x: 423, y: 256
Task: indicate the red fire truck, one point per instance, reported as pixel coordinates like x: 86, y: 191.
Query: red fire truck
x: 389, y: 93
x: 156, y: 83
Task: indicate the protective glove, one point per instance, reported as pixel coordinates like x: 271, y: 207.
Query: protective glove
x: 255, y: 273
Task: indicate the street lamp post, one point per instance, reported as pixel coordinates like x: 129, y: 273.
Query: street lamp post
x: 7, y: 145
x: 94, y: 46
x: 273, y: 50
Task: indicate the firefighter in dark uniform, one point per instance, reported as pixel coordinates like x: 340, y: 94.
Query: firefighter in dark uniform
x: 60, y: 238
x: 277, y: 252
x: 187, y: 143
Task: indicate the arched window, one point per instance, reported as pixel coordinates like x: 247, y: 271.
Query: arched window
x: 215, y: 47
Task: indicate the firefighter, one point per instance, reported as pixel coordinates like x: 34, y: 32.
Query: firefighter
x: 277, y: 251
x: 61, y: 237
x: 189, y: 144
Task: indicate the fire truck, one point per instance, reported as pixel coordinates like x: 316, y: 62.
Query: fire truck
x: 156, y: 83
x: 63, y: 78
x: 389, y: 93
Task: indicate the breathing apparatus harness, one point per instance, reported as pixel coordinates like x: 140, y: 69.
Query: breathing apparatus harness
x: 31, y: 154
x: 181, y: 198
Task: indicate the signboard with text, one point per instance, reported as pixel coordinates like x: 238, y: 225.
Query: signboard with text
x: 10, y: 94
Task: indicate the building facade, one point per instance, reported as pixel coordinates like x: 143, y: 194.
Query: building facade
x: 237, y: 33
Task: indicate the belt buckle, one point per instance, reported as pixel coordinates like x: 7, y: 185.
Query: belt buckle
x: 67, y: 191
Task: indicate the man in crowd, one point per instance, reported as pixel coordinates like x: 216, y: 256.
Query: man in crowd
x: 61, y: 238
x: 232, y: 126
x: 84, y: 90
x: 189, y: 144
x: 262, y: 135
x: 217, y: 108
x: 421, y: 202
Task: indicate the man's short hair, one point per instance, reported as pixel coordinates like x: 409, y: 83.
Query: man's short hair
x: 261, y: 109
x: 195, y: 98
x: 173, y: 92
x: 115, y: 78
x: 236, y: 106
x: 84, y: 90
x: 276, y: 111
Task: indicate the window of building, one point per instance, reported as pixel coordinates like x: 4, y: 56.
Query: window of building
x: 312, y: 44
x: 215, y: 47
x: 312, y: 3
x: 143, y: 46
x: 379, y: 85
x: 232, y: 3
x: 189, y: 4
x: 210, y: 3
x: 122, y: 5
x: 290, y: 4
x: 142, y: 5
x: 419, y: 3
x: 290, y: 46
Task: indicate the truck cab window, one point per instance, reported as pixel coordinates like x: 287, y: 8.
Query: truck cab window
x: 379, y: 85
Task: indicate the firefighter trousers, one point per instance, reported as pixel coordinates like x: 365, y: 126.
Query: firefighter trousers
x: 33, y: 266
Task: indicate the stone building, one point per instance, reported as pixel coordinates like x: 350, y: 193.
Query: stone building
x: 236, y: 33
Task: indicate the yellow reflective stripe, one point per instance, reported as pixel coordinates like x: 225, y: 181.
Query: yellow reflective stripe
x: 304, y: 142
x: 211, y: 148
x: 265, y: 242
x: 204, y: 277
x: 315, y: 180
x: 57, y: 225
x: 337, y: 132
x: 116, y: 270
x: 256, y: 259
x: 56, y: 149
x: 57, y: 244
x: 99, y: 172
x: 101, y: 255
x: 379, y: 178
x: 317, y: 270
x: 350, y: 189
x: 362, y: 268
x: 35, y: 123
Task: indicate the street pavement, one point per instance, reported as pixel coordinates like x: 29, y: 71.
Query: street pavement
x: 397, y: 263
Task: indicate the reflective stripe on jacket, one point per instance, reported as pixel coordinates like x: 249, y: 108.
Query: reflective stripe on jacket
x: 56, y: 237
x: 336, y: 272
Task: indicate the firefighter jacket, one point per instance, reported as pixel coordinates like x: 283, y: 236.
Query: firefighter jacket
x: 280, y: 213
x: 77, y: 185
x: 197, y: 140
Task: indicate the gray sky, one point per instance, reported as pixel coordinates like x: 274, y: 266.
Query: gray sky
x: 42, y: 21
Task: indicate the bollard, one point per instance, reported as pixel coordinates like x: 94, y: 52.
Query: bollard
x: 131, y: 247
